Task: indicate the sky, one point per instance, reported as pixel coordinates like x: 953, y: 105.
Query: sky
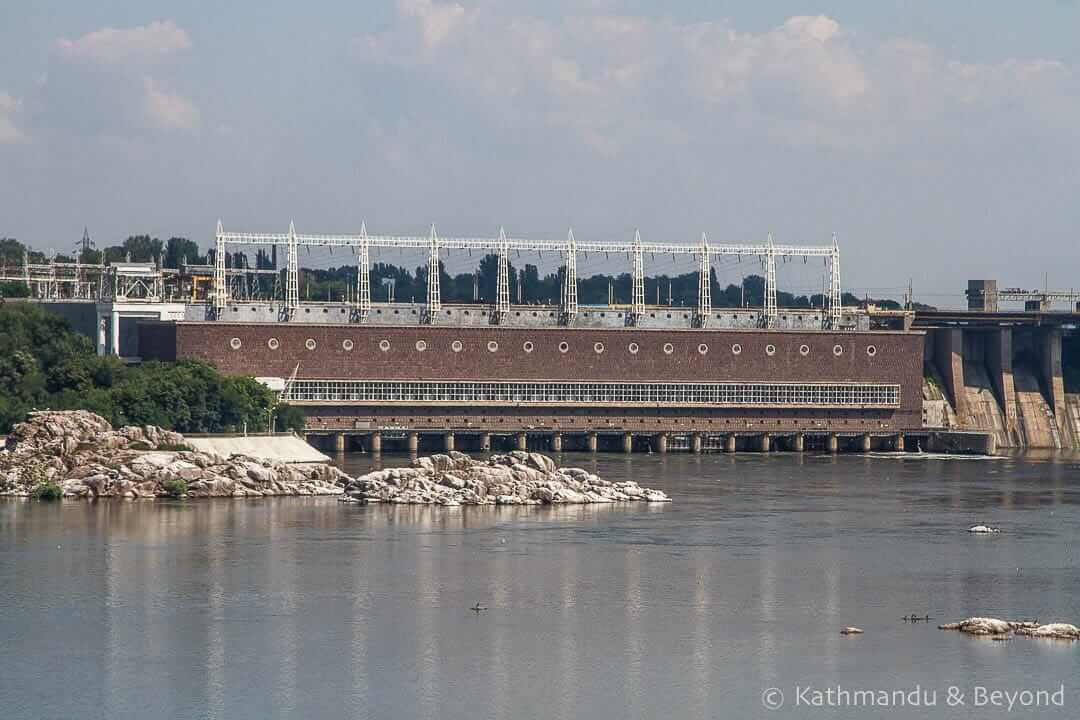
x: 940, y: 141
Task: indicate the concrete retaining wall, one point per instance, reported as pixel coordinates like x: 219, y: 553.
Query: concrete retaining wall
x: 283, y: 448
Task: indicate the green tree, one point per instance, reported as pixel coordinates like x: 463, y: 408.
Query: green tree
x: 43, y: 364
x: 288, y: 417
x: 14, y: 289
x: 180, y: 250
x: 137, y: 248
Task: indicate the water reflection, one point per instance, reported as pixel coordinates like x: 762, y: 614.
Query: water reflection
x: 307, y: 607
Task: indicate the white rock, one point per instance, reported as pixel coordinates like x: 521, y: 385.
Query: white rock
x: 1061, y: 631
x: 980, y: 626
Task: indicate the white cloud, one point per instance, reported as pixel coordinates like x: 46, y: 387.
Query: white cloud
x: 120, y: 44
x: 609, y: 76
x: 9, y: 107
x: 109, y: 81
x: 168, y: 111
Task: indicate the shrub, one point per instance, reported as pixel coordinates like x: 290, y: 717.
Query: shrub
x: 174, y: 488
x: 43, y: 363
x: 289, y: 417
x: 47, y: 490
x: 139, y: 445
x: 174, y: 447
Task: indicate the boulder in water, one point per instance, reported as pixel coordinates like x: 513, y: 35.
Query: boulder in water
x: 1028, y: 628
x: 516, y: 478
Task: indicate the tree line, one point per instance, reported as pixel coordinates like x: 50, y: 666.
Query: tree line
x: 46, y: 365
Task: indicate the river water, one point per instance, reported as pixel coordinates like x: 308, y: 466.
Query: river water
x: 309, y: 608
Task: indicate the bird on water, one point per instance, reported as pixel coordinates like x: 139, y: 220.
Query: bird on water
x: 478, y: 608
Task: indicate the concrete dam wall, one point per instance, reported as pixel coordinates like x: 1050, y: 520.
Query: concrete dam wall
x: 1007, y: 381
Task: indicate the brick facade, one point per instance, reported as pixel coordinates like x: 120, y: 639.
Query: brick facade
x: 524, y: 354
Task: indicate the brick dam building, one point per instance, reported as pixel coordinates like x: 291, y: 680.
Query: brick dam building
x: 630, y: 376
x: 471, y: 376
x: 584, y: 387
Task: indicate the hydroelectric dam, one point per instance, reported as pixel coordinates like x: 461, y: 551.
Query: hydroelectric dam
x: 381, y: 374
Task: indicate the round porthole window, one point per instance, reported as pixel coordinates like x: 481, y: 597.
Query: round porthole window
x: 235, y: 343
x: 871, y: 350
x: 736, y: 349
x: 633, y: 348
x: 309, y: 344
x: 347, y: 344
x: 668, y: 348
x: 421, y: 345
x: 492, y: 346
x: 384, y: 345
x: 703, y: 348
x: 838, y: 350
x: 272, y: 343
x: 598, y: 347
x: 564, y: 347
x: 770, y: 349
x: 527, y: 346
x: 456, y: 346
x: 804, y: 350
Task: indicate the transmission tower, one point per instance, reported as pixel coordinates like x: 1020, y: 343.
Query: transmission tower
x: 637, y: 300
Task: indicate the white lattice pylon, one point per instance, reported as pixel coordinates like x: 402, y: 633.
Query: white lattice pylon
x: 637, y: 300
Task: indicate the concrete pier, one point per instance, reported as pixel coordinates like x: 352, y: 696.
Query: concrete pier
x: 999, y: 363
x: 1054, y: 381
x: 949, y: 358
x: 656, y: 440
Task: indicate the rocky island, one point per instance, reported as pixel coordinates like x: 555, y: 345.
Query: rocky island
x: 80, y: 455
x: 985, y: 626
x: 516, y: 478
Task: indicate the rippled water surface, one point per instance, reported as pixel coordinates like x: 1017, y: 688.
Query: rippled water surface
x: 315, y: 609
